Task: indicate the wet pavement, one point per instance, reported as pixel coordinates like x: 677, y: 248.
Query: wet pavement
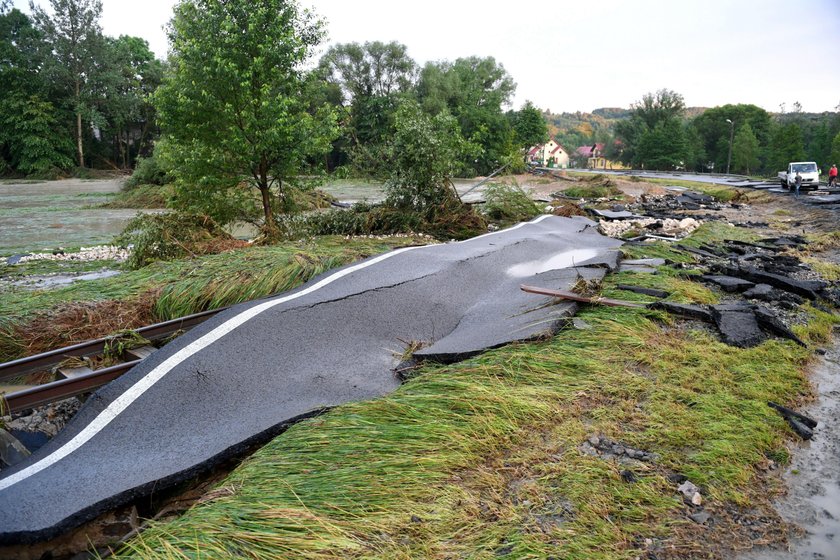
x: 813, y: 477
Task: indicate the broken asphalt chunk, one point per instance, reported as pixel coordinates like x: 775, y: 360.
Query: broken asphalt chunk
x: 768, y: 320
x: 729, y: 283
x: 804, y: 288
x: 644, y: 291
x: 738, y: 325
x: 763, y: 292
x: 685, y: 310
x: 787, y: 412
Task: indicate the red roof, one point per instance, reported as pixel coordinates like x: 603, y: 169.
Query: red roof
x: 586, y: 151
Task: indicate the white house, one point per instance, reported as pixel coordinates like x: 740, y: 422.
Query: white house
x: 550, y: 154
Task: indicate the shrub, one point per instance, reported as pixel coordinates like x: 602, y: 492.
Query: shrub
x: 148, y: 171
x: 509, y: 203
x: 173, y: 235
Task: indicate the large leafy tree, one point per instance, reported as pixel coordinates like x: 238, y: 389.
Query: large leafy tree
x: 654, y: 136
x: 529, y: 126
x: 76, y: 44
x: 370, y: 80
x: 786, y: 146
x: 234, y: 109
x: 32, y: 140
x: 745, y: 149
x: 714, y: 130
x: 474, y: 90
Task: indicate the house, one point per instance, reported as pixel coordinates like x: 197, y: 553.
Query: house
x: 593, y: 156
x: 550, y: 154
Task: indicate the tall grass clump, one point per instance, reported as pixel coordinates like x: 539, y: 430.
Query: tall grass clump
x: 509, y: 204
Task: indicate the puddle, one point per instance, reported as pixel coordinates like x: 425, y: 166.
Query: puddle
x: 46, y: 282
x: 813, y: 478
x: 565, y: 259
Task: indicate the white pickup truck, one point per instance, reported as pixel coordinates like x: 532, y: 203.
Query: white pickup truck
x: 807, y: 170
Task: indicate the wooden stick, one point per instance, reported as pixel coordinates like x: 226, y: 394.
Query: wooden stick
x: 577, y: 297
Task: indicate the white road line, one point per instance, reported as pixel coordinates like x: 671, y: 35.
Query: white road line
x: 134, y: 392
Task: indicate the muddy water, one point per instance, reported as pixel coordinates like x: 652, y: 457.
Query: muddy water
x: 37, y: 216
x: 813, y: 478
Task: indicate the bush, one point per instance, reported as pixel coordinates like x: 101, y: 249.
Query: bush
x: 509, y: 204
x: 173, y: 235
x: 147, y: 171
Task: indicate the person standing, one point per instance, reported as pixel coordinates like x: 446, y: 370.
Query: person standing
x: 797, y: 181
x: 832, y: 176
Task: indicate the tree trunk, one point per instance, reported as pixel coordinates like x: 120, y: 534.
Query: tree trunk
x: 79, y: 126
x: 270, y: 226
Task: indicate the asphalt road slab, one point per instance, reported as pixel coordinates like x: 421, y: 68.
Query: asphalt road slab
x: 245, y: 375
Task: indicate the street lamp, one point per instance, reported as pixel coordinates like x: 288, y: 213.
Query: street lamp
x: 731, y: 133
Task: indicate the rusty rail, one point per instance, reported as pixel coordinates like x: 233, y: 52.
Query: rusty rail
x: 85, y: 383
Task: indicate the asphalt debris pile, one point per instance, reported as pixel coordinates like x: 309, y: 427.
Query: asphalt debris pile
x: 764, y: 289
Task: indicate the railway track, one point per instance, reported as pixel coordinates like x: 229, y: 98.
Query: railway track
x: 72, y: 364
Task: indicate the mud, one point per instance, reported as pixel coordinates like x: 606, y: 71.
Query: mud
x: 813, y: 477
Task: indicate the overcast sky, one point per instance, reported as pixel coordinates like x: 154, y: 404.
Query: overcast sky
x: 578, y: 55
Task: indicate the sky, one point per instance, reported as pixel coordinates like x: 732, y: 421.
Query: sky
x: 578, y: 56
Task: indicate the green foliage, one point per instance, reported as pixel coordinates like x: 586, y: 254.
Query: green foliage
x: 425, y: 154
x: 148, y: 172
x: 168, y: 236
x: 529, y: 126
x: 32, y: 138
x: 509, y: 204
x: 745, y: 150
x: 786, y: 146
x: 835, y: 150
x: 714, y: 130
x: 235, y: 108
x: 664, y: 146
x: 473, y: 90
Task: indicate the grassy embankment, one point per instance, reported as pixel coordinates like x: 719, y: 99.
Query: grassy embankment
x: 33, y: 321
x: 481, y: 459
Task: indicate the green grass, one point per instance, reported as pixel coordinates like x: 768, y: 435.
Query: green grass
x: 142, y: 196
x: 481, y: 459
x: 191, y: 285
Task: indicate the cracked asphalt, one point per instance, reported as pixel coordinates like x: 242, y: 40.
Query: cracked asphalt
x: 245, y: 375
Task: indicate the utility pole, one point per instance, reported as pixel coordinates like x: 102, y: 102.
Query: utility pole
x: 731, y: 135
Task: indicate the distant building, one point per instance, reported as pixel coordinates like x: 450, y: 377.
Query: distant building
x: 593, y: 157
x: 550, y: 154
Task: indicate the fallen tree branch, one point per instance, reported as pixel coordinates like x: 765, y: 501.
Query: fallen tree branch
x: 577, y: 297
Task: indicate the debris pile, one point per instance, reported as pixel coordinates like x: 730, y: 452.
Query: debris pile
x: 98, y: 253
x: 668, y: 226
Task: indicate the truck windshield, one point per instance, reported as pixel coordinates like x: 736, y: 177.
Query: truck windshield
x: 804, y: 167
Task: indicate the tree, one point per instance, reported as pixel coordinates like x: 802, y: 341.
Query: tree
x: 425, y: 158
x: 653, y: 136
x: 835, y: 150
x: 786, y: 146
x: 235, y: 110
x: 745, y: 149
x: 370, y: 79
x: 76, y: 42
x: 529, y: 126
x: 473, y: 90
x: 663, y: 147
x: 31, y: 139
x: 714, y: 130
x: 658, y: 107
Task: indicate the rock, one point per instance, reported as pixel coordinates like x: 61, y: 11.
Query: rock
x: 11, y: 450
x: 595, y: 441
x: 628, y: 476
x: 676, y: 478
x: 700, y: 517
x: 581, y: 325
x: 690, y: 492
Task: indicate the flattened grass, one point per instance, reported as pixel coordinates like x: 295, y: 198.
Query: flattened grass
x: 482, y: 459
x: 190, y: 285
